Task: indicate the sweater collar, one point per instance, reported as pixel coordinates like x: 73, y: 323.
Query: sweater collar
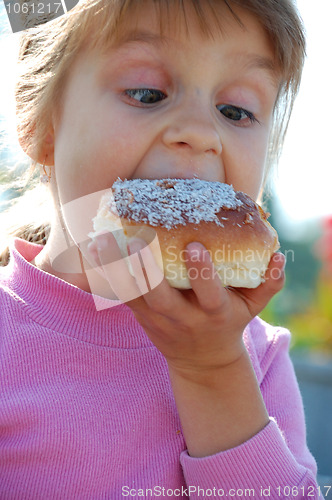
x: 64, y: 308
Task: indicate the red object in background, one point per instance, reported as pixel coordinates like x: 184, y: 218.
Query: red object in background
x: 324, y: 246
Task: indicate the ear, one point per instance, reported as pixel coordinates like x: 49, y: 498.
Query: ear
x: 44, y: 154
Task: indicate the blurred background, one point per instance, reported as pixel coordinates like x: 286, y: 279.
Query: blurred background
x: 301, y: 210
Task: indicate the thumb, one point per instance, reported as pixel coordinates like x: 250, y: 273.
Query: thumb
x: 259, y: 297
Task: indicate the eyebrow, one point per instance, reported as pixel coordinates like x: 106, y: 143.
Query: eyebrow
x: 249, y: 61
x: 258, y: 62
x: 142, y: 37
x: 255, y: 61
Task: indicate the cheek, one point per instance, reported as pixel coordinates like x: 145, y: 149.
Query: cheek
x: 121, y: 149
x: 120, y: 137
x: 245, y: 163
x: 89, y: 158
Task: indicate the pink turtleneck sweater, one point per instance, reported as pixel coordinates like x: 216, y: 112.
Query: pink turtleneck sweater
x: 87, y: 410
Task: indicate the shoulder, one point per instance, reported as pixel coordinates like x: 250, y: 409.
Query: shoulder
x: 10, y: 302
x: 265, y: 343
x: 4, y: 280
x: 5, y: 297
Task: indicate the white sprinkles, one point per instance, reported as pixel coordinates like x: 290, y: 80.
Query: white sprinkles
x: 172, y: 202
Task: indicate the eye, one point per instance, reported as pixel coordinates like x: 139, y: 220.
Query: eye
x: 146, y: 96
x: 237, y: 114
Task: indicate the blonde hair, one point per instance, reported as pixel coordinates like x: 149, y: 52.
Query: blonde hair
x: 47, y: 53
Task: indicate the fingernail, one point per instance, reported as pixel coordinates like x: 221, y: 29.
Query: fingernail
x: 279, y: 256
x: 135, y: 245
x: 93, y: 251
x: 102, y: 242
x: 197, y: 252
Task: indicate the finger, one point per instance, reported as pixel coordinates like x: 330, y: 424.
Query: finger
x: 150, y: 257
x: 259, y: 297
x: 117, y: 267
x: 204, y: 279
x: 161, y: 297
x: 93, y: 253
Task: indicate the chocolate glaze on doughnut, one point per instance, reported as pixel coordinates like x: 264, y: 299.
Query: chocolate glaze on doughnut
x: 172, y: 202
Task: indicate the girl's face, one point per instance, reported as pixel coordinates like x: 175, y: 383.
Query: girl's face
x: 178, y: 105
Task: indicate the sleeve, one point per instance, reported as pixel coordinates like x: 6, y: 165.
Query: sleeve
x: 276, y: 462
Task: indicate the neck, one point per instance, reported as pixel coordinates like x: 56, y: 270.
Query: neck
x: 62, y: 258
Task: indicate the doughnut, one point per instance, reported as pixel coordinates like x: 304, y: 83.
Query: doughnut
x: 231, y: 226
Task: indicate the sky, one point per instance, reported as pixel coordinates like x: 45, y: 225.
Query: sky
x: 305, y: 172
x: 303, y: 182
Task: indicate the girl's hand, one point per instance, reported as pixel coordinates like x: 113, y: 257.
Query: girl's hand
x: 197, y: 330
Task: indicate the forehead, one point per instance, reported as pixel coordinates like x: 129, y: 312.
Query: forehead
x: 176, y: 16
x: 172, y: 19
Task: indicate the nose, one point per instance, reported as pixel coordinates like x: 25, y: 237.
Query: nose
x: 193, y: 131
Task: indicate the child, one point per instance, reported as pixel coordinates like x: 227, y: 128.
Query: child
x: 178, y: 394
